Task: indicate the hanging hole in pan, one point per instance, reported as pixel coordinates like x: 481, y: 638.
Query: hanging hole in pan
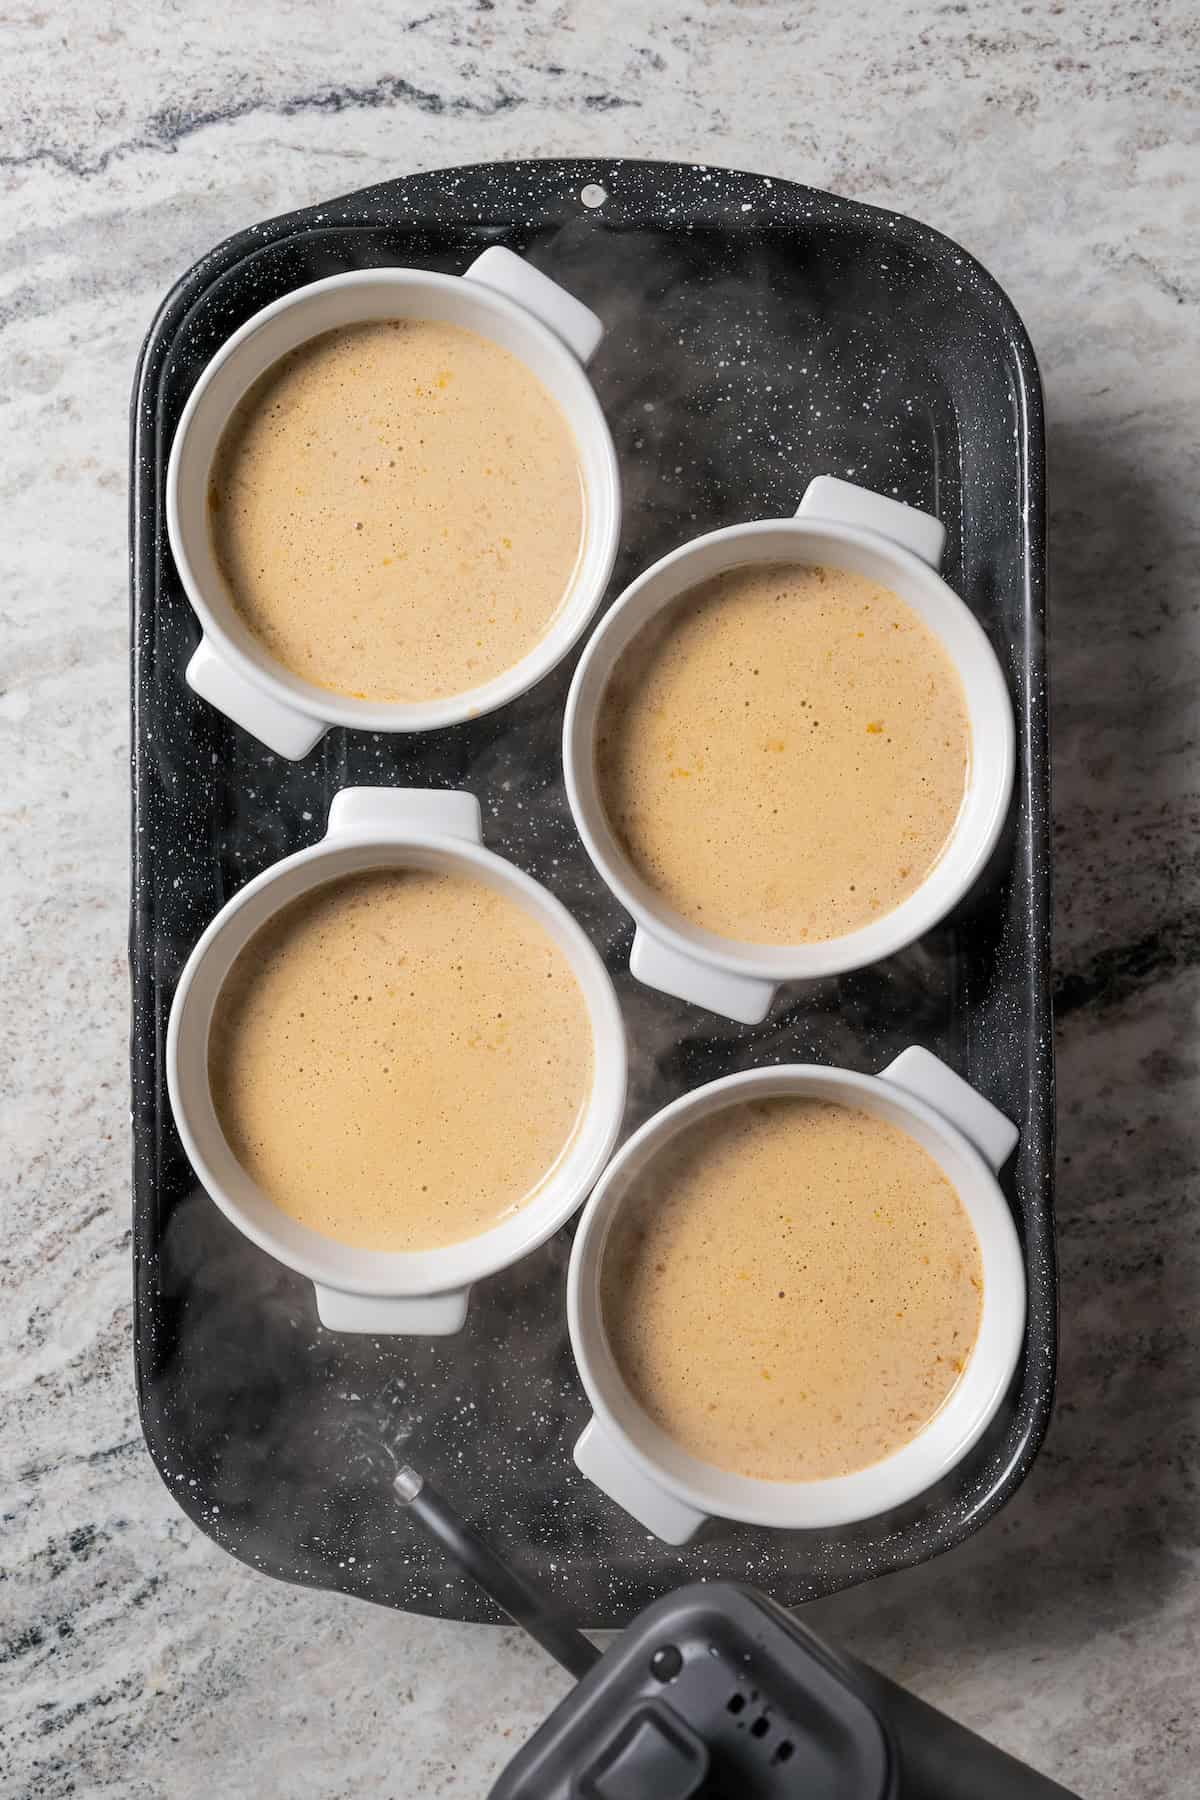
x: 593, y: 194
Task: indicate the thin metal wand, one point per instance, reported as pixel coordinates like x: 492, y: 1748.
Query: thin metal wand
x: 528, y: 1608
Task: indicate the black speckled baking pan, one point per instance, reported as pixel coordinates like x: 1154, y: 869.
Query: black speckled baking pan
x: 759, y: 334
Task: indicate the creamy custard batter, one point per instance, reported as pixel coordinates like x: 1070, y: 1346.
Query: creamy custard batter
x: 783, y: 754
x: 397, y: 510
x: 792, y: 1289
x: 400, y: 1058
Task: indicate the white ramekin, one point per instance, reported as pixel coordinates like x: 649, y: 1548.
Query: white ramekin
x: 423, y: 1292
x: 502, y: 298
x: 847, y: 527
x: 672, y: 1492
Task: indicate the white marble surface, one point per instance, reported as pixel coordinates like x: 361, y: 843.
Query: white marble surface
x: 1060, y: 145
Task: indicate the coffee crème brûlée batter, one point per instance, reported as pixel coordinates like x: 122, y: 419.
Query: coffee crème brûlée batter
x: 783, y: 752
x: 401, y: 1059
x: 397, y: 510
x: 791, y: 1289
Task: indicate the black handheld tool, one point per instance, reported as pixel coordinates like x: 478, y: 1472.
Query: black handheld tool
x: 716, y: 1693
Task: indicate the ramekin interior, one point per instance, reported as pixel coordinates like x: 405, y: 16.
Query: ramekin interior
x: 989, y: 785
x: 918, y: 1464
x: 310, y: 1252
x: 352, y: 299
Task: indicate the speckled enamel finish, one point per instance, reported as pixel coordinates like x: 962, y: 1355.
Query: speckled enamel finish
x: 759, y: 333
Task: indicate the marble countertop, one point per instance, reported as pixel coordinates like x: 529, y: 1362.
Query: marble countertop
x: 1060, y: 146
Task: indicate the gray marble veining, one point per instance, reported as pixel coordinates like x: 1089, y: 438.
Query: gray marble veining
x: 1059, y: 145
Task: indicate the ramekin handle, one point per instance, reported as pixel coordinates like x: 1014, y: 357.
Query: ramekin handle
x: 416, y: 1315
x: 284, y: 729
x: 443, y: 812
x: 845, y: 503
x: 601, y: 1459
x: 745, y: 998
x: 919, y: 1073
x: 567, y: 317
